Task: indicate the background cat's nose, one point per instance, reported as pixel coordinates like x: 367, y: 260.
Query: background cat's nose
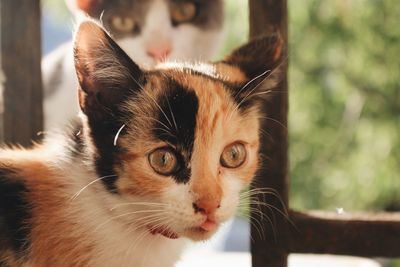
x: 159, y: 52
x: 206, y: 206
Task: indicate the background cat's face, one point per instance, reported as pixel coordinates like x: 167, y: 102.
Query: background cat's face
x: 188, y: 136
x: 150, y: 31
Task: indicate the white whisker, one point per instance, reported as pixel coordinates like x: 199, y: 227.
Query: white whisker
x: 117, y: 135
x: 89, y: 184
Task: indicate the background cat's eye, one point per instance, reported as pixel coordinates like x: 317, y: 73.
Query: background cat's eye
x: 164, y: 161
x: 233, y: 155
x: 122, y: 24
x: 182, y: 11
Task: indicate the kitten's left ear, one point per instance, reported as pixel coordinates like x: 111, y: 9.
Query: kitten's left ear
x: 105, y: 73
x: 258, y: 55
x: 258, y: 60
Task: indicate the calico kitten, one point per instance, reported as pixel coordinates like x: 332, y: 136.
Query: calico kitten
x: 149, y: 31
x: 159, y: 157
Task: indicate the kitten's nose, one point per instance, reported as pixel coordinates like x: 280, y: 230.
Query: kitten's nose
x: 159, y: 52
x: 206, y: 206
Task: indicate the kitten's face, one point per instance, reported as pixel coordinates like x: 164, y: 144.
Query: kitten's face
x: 150, y: 31
x: 188, y: 136
x: 192, y: 150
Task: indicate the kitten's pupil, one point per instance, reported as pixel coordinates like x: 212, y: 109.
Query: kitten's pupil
x: 234, y: 153
x: 165, y: 158
x: 233, y: 156
x: 163, y: 161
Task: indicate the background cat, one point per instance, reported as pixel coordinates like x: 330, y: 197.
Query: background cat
x: 149, y: 31
x: 159, y: 156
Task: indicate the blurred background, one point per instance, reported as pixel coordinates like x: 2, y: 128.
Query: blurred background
x: 344, y: 119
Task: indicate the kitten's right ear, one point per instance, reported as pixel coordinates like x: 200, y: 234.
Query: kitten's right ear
x: 105, y: 73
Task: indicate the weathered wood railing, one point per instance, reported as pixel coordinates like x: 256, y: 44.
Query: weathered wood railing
x: 309, y: 232
x: 361, y: 234
x: 20, y: 56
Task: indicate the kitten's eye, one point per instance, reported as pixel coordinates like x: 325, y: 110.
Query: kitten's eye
x: 163, y: 161
x: 233, y: 155
x: 182, y: 11
x: 122, y: 24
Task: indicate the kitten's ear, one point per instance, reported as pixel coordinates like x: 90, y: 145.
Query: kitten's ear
x: 259, y: 55
x: 105, y: 73
x: 255, y: 66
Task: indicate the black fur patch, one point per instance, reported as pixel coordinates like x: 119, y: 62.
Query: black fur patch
x: 240, y: 92
x: 102, y: 99
x: 177, y: 124
x: 15, y: 213
x: 103, y: 134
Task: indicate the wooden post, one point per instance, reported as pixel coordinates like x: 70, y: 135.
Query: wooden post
x: 268, y: 16
x: 20, y: 53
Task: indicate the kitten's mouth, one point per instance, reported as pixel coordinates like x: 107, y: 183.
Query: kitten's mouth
x: 164, y: 231
x: 208, y: 225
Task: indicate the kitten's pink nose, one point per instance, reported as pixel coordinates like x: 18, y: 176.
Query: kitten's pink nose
x: 159, y: 52
x: 206, y: 206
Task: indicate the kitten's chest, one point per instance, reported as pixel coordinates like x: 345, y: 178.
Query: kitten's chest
x: 141, y: 250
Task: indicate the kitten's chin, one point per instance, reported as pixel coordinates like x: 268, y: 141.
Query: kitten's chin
x: 199, y: 234
x: 194, y: 233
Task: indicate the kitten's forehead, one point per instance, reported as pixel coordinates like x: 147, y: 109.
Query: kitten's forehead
x: 186, y: 102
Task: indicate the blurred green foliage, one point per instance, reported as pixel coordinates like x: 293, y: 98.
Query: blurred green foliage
x: 344, y: 118
x: 344, y: 103
x: 344, y: 83
x: 58, y: 11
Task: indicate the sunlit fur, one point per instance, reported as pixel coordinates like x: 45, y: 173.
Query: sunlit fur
x: 76, y: 216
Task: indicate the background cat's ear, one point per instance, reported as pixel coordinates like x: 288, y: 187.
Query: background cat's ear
x: 105, y: 73
x: 258, y: 56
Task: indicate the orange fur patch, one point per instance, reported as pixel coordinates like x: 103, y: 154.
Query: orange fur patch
x: 231, y: 73
x: 138, y: 178
x: 55, y: 240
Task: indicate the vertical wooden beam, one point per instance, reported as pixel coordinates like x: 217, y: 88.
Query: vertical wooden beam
x: 268, y: 16
x: 20, y: 52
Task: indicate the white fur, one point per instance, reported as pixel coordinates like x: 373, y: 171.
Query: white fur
x: 188, y: 43
x: 116, y: 244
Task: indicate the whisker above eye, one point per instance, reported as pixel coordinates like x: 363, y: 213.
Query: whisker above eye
x: 172, y: 114
x: 167, y: 128
x: 251, y: 81
x: 163, y: 130
x: 159, y: 107
x: 267, y: 74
